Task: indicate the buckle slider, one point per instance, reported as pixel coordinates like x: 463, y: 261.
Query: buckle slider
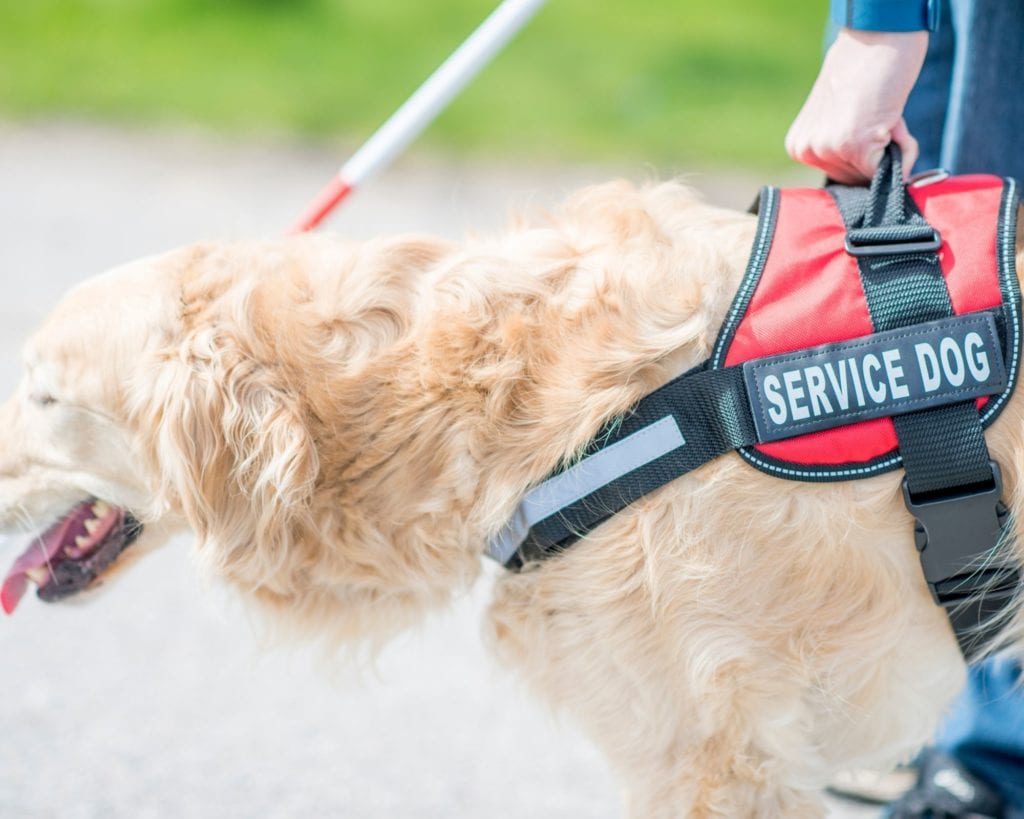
x: 953, y: 531
x: 861, y: 242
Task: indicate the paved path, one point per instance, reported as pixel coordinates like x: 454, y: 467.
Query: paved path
x: 156, y: 700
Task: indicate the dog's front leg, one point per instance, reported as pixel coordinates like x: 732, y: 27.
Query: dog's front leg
x: 689, y: 734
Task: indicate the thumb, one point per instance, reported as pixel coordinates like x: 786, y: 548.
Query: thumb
x: 908, y: 145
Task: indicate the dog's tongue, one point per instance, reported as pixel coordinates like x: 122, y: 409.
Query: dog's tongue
x: 35, y: 560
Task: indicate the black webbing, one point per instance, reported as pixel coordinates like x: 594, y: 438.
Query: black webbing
x: 713, y: 415
x: 978, y: 609
x: 944, y: 447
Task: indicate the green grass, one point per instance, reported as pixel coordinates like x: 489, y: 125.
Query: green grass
x: 665, y: 81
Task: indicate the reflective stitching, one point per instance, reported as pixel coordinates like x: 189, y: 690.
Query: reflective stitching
x: 1008, y: 275
x: 751, y: 277
x: 895, y: 460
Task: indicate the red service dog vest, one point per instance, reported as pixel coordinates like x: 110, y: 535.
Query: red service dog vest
x: 802, y: 289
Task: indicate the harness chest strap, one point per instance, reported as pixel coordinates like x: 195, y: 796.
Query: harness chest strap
x: 924, y: 373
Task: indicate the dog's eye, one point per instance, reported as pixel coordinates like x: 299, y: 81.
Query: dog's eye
x: 43, y: 399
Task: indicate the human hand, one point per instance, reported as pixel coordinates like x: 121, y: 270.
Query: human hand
x: 856, y: 105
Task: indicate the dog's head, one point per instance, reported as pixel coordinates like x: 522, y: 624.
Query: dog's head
x: 70, y: 465
x: 138, y: 409
x: 242, y: 392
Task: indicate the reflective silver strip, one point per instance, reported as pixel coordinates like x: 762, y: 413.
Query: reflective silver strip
x: 582, y: 479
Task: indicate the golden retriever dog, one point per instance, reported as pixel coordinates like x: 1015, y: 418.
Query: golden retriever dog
x: 345, y: 425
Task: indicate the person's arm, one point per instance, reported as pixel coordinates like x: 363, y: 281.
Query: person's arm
x: 856, y: 105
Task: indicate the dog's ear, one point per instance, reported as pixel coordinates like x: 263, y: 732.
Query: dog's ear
x: 234, y: 447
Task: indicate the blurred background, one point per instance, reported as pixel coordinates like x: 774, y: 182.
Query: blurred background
x: 668, y: 82
x: 131, y: 126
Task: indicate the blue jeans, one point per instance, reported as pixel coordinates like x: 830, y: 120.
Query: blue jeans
x: 967, y: 108
x: 985, y: 729
x: 967, y: 112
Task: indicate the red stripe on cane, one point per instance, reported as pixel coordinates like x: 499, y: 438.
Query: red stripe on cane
x: 324, y: 202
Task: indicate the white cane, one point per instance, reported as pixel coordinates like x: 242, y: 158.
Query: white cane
x: 422, y: 107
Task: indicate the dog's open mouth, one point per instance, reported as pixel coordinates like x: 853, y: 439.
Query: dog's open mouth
x: 71, y: 554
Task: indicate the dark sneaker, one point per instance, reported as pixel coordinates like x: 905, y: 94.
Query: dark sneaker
x: 945, y: 789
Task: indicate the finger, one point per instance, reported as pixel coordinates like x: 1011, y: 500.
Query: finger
x: 832, y: 169
x: 846, y: 174
x: 796, y: 142
x: 841, y: 168
x: 792, y: 148
x: 869, y: 152
x: 901, y: 136
x: 835, y: 163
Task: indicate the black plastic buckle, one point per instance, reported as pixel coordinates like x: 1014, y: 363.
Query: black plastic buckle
x: 953, y: 532
x: 874, y: 248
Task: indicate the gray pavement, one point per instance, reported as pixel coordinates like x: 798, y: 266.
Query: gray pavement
x: 158, y: 699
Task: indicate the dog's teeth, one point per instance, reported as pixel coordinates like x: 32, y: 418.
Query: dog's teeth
x: 81, y: 541
x: 92, y: 525
x: 38, y: 575
x: 101, y: 508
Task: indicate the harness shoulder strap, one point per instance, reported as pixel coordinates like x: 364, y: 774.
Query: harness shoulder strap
x: 687, y: 423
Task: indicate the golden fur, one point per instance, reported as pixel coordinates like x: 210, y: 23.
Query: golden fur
x: 344, y: 425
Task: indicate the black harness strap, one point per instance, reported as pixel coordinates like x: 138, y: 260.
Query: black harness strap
x: 712, y: 413
x: 952, y: 486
